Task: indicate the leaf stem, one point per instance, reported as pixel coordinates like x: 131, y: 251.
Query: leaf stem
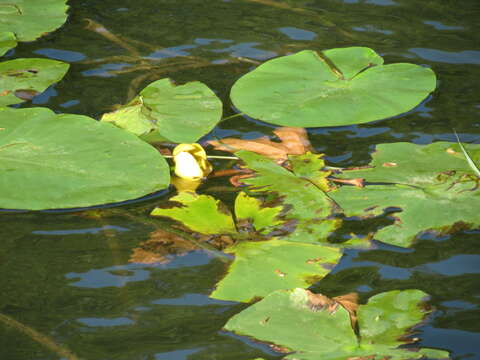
x: 210, y: 157
x: 233, y: 116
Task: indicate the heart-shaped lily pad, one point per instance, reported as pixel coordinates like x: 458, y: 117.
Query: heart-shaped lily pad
x: 310, y: 326
x: 334, y: 88
x: 30, y: 19
x: 62, y: 161
x: 21, y: 79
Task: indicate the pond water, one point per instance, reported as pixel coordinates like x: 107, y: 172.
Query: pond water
x: 72, y: 276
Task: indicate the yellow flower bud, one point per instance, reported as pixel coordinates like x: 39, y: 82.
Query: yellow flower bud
x: 191, y: 161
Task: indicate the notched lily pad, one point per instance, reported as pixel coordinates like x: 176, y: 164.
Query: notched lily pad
x: 433, y: 180
x: 28, y: 76
x: 163, y: 110
x: 52, y: 161
x: 31, y: 19
x: 337, y: 87
x: 314, y: 327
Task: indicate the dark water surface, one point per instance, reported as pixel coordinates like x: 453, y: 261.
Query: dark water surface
x: 70, y: 276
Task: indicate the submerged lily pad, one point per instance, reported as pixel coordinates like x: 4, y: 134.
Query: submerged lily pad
x: 200, y: 213
x: 31, y: 19
x: 163, y: 110
x: 262, y: 267
x: 21, y: 79
x: 7, y: 42
x: 61, y: 161
x: 334, y: 88
x: 433, y: 186
x: 293, y: 323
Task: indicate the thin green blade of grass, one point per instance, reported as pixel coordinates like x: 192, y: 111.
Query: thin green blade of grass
x: 474, y: 166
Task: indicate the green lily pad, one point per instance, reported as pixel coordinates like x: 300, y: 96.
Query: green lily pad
x: 262, y: 267
x: 31, y: 19
x: 310, y: 206
x: 180, y: 114
x: 288, y: 320
x: 334, y: 88
x: 62, y: 161
x: 21, y: 79
x: 388, y: 315
x: 433, y: 186
x: 7, y: 42
x: 200, y: 213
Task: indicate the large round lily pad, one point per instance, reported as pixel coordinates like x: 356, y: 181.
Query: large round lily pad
x: 30, y: 19
x: 61, y: 161
x: 163, y: 110
x: 21, y: 79
x: 334, y: 88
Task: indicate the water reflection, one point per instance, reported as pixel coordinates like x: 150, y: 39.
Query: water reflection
x: 457, y: 57
x: 103, y: 322
x: 121, y: 275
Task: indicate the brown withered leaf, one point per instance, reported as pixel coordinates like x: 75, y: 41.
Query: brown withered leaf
x: 294, y: 141
x: 318, y: 302
x: 348, y: 301
x: 358, y: 182
x: 262, y: 146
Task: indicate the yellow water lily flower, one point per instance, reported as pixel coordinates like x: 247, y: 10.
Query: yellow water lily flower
x: 191, y: 162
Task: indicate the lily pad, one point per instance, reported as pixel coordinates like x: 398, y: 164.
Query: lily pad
x: 262, y: 267
x: 180, y: 114
x: 293, y: 323
x: 336, y: 87
x: 62, y: 161
x: 312, y: 168
x: 250, y: 209
x: 310, y: 207
x: 433, y: 187
x: 31, y: 19
x: 7, y: 42
x: 200, y: 213
x: 28, y: 76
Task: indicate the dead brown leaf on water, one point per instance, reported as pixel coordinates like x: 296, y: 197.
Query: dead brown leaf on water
x: 293, y: 141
